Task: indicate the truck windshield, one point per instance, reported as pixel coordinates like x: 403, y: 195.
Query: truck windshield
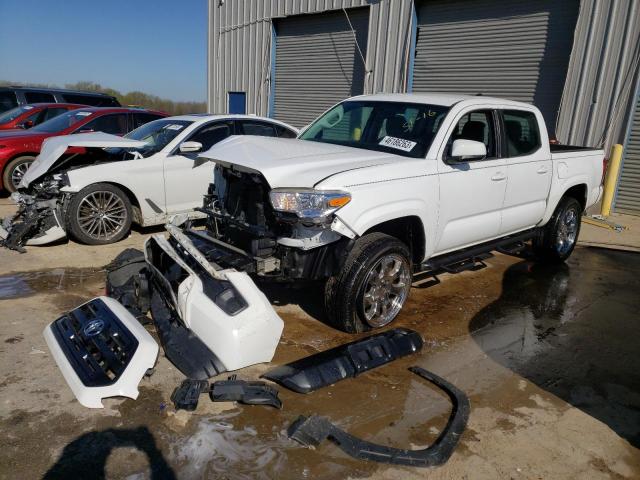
x: 395, y: 127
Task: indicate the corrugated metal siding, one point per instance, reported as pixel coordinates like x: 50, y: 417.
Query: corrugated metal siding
x: 517, y: 49
x: 240, y: 46
x: 318, y: 63
x: 604, y: 63
x: 628, y: 194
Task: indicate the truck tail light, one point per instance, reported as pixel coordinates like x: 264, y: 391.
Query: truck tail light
x: 605, y: 163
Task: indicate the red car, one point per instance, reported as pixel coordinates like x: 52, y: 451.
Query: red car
x: 18, y: 148
x: 27, y: 116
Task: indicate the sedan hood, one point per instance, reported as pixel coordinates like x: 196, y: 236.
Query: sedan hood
x: 53, y: 148
x: 286, y: 162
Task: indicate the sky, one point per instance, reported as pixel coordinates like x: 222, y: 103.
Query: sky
x: 154, y: 46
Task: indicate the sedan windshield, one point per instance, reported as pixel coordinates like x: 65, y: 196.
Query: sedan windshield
x: 14, y: 113
x: 156, y: 135
x: 62, y: 122
x: 395, y: 127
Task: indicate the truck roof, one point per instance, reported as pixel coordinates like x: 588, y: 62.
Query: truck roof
x: 434, y: 98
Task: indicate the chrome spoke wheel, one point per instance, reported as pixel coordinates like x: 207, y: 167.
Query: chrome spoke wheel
x: 385, y: 290
x: 567, y: 231
x: 18, y: 173
x: 101, y: 215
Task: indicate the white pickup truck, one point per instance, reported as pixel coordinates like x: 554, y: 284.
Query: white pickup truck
x: 383, y: 186
x: 378, y: 188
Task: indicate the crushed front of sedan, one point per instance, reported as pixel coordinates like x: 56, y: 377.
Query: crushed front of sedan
x: 41, y: 198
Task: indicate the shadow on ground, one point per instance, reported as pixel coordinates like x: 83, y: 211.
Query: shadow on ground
x: 86, y: 456
x: 573, y: 330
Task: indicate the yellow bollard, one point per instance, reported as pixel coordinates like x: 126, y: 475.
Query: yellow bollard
x: 611, y: 179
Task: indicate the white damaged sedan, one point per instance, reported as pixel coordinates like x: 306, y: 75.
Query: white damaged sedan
x: 92, y: 186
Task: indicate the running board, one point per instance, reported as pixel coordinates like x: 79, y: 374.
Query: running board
x: 472, y: 258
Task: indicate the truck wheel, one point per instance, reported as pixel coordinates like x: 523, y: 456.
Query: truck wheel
x: 99, y: 214
x: 14, y: 171
x: 557, y: 239
x: 372, y: 286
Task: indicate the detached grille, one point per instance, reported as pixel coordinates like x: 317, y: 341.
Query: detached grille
x: 96, y: 343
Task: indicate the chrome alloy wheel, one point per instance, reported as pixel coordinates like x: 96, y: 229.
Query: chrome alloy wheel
x: 18, y: 173
x: 567, y: 231
x: 101, y: 215
x: 386, y: 288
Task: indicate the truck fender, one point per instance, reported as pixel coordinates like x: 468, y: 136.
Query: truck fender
x: 363, y: 220
x: 558, y: 191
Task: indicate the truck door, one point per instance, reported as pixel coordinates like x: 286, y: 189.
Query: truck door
x: 472, y: 192
x: 529, y: 170
x: 186, y: 177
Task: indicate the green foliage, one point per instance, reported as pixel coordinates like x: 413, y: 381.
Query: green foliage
x: 135, y: 98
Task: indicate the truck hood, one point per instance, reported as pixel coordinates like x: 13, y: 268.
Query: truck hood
x: 53, y: 148
x: 288, y: 162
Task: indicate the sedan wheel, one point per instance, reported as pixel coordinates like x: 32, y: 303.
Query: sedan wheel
x: 101, y: 215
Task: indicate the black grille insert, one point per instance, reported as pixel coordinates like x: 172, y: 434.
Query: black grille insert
x: 96, y: 343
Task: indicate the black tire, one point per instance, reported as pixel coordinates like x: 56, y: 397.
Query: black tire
x: 80, y: 215
x: 14, y: 171
x: 344, y: 296
x: 552, y: 244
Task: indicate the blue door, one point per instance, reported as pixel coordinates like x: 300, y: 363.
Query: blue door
x: 237, y: 102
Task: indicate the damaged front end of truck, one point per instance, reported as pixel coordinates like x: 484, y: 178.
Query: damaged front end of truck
x: 42, y: 198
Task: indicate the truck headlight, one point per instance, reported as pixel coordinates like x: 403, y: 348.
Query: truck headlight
x: 308, y: 203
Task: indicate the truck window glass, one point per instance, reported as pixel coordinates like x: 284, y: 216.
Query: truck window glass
x: 477, y: 126
x: 521, y: 132
x: 393, y: 127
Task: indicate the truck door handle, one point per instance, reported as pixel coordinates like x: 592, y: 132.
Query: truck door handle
x: 498, y: 177
x: 542, y: 170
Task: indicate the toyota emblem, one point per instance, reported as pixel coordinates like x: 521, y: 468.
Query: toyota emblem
x: 93, y: 328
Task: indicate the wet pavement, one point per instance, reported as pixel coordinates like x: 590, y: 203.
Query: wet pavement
x: 547, y: 355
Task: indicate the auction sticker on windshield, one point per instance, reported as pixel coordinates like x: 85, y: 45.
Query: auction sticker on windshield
x: 397, y: 143
x: 174, y: 126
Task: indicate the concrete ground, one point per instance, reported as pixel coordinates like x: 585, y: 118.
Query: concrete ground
x: 547, y: 355
x: 627, y: 239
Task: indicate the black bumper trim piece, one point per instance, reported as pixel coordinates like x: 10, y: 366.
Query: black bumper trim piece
x: 345, y: 361
x: 310, y: 431
x: 186, y: 396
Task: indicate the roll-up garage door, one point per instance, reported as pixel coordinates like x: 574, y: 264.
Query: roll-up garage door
x: 318, y: 63
x: 628, y: 194
x: 517, y: 49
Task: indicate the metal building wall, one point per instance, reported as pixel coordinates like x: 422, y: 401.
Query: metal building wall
x: 240, y: 37
x: 597, y: 99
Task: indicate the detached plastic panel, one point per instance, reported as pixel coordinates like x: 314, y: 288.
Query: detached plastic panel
x: 311, y: 431
x: 350, y: 360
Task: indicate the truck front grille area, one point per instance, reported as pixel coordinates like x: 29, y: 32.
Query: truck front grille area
x: 96, y: 343
x: 240, y: 212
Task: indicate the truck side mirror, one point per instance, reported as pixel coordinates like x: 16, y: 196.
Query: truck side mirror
x: 464, y: 150
x: 27, y: 124
x: 190, y: 147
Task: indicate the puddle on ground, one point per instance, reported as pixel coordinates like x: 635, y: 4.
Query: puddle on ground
x: 572, y: 329
x: 57, y: 280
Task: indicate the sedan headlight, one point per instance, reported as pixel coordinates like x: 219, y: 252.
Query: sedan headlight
x: 308, y: 204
